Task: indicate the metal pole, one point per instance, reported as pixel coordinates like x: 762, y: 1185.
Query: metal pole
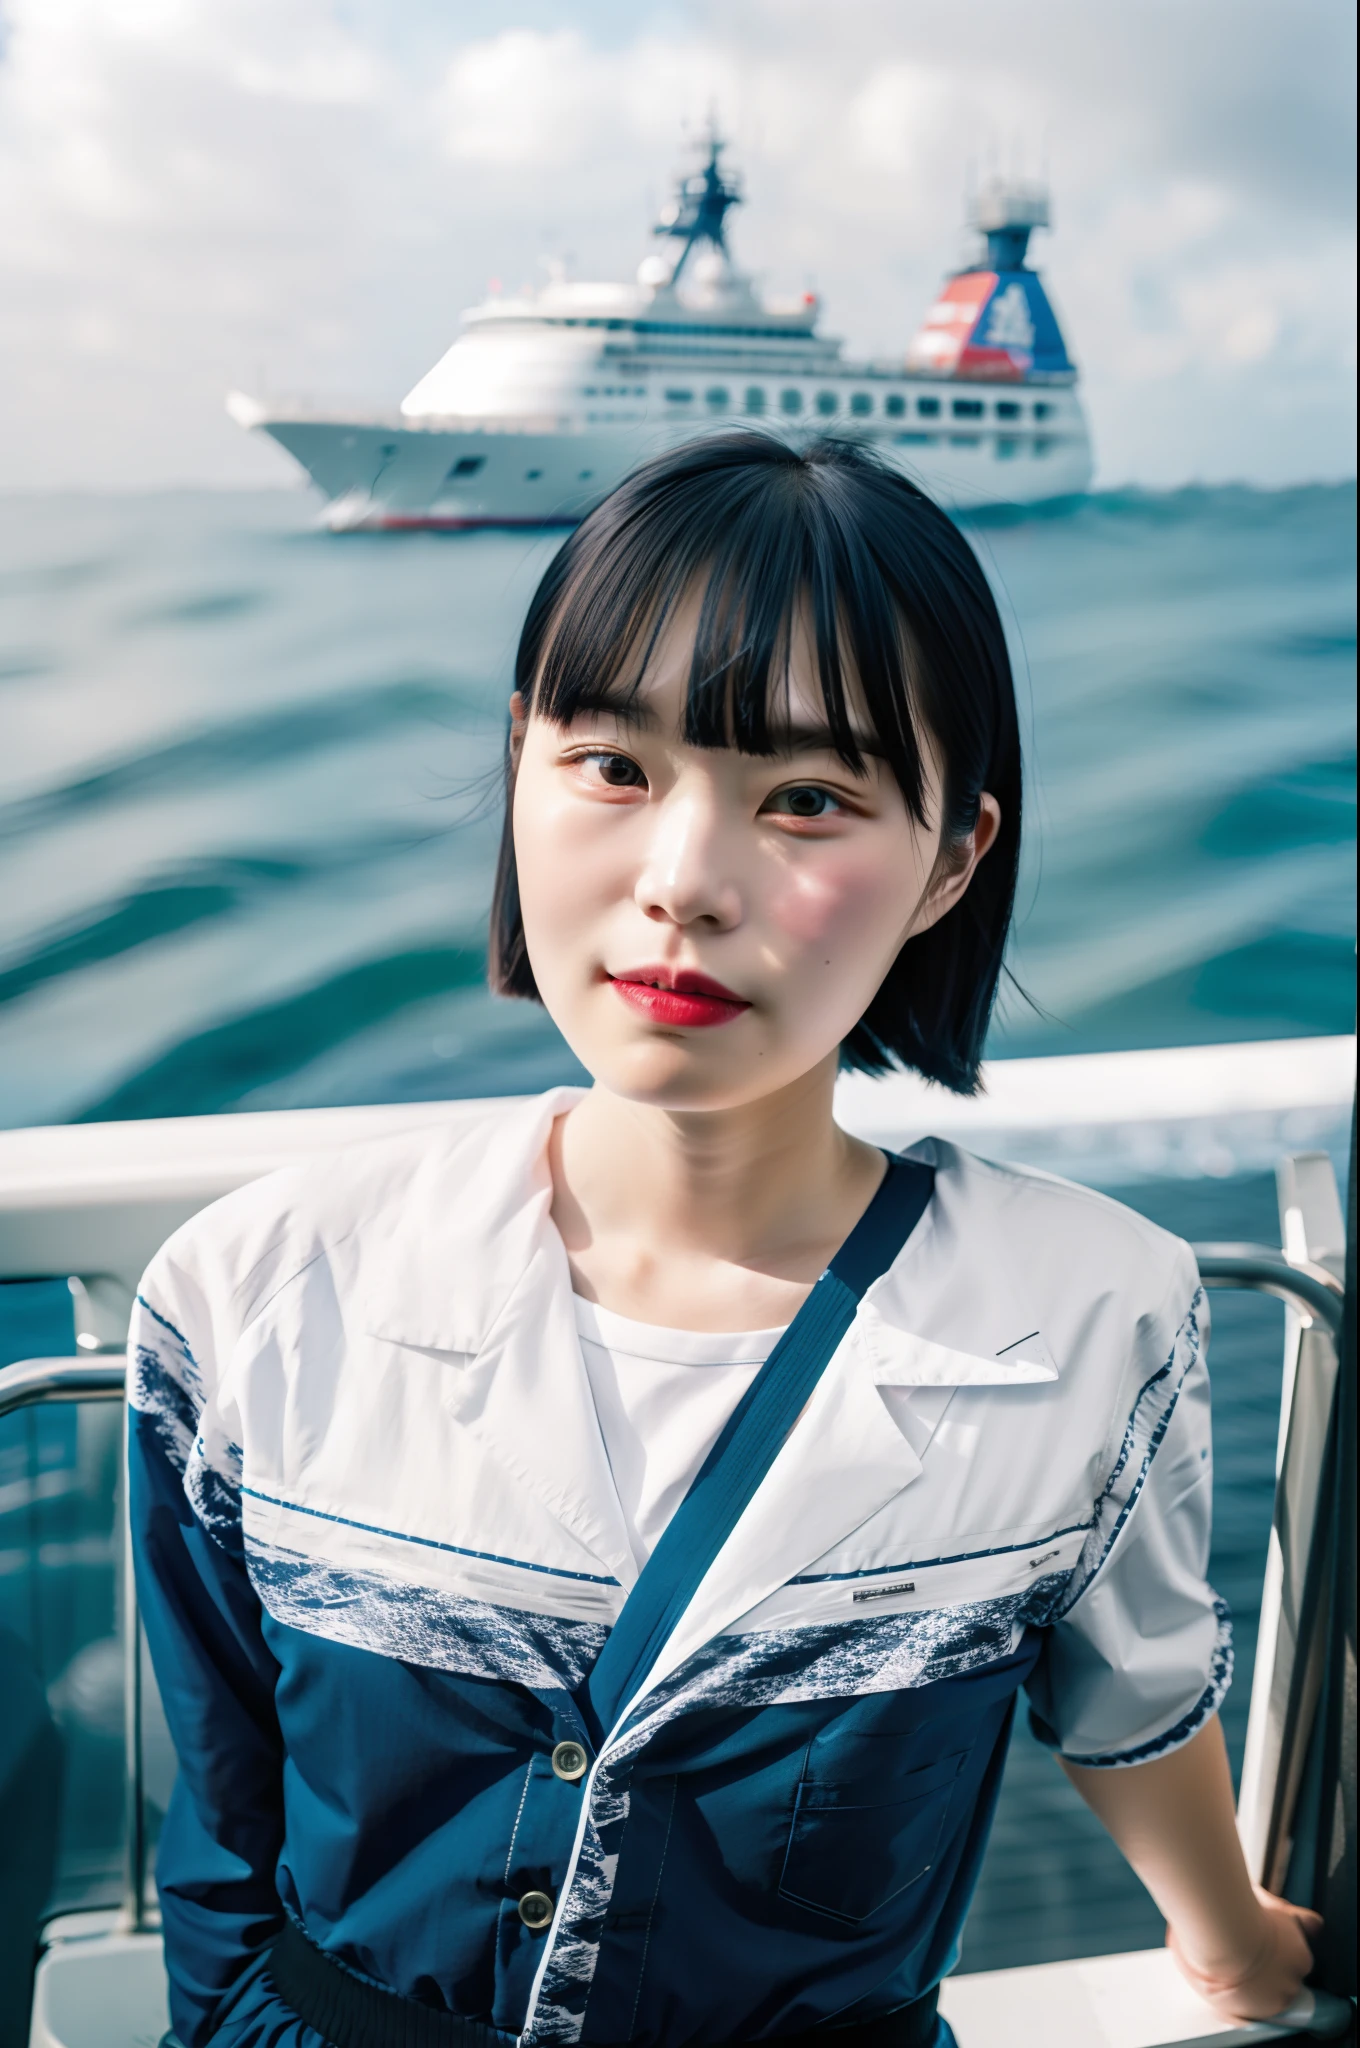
x: 1312, y: 1289
x: 134, y: 1790
x: 97, y: 1377
x: 91, y: 1378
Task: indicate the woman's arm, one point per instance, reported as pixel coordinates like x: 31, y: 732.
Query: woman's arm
x: 1245, y: 1951
x: 222, y: 1834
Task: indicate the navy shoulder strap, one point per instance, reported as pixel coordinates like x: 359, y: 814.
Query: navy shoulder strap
x: 750, y: 1443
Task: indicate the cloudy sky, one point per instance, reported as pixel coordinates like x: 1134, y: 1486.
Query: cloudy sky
x: 300, y: 196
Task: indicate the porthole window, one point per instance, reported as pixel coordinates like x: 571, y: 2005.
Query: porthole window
x: 718, y: 398
x: 791, y: 401
x: 967, y: 408
x: 755, y: 399
x: 861, y: 403
x: 929, y: 408
x: 531, y: 476
x: 679, y: 398
x: 467, y: 465
x: 1042, y: 411
x: 826, y: 403
x: 894, y: 405
x: 1007, y: 409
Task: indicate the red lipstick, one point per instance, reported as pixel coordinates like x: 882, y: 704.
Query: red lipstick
x: 676, y: 996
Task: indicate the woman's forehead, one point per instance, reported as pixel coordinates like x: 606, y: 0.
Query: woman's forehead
x: 796, y: 698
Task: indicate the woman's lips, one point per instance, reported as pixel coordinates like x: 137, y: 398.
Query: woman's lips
x: 681, y: 998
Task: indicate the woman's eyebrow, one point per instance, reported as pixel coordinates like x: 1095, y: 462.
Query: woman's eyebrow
x: 786, y: 740
x: 629, y: 711
x: 819, y: 739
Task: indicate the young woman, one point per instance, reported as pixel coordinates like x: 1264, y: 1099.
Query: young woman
x: 545, y: 1666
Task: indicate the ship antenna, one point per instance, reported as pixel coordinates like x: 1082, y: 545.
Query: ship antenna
x: 699, y: 210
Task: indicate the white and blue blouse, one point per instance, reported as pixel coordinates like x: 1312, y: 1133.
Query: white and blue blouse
x: 379, y: 1547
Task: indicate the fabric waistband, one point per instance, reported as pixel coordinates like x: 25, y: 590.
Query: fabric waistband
x: 349, y: 2012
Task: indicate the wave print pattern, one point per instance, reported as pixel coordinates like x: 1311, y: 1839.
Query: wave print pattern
x: 165, y: 1382
x: 166, y: 1391
x: 887, y: 1653
x: 418, y: 1624
x: 1143, y: 1434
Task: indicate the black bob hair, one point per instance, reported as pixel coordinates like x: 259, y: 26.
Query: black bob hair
x: 895, y: 598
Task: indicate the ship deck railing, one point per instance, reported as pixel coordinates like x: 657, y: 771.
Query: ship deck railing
x: 91, y: 1204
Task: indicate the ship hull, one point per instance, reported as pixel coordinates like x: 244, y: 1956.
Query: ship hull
x: 452, y: 476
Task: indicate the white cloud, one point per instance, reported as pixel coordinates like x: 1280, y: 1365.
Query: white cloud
x: 522, y: 98
x: 195, y: 193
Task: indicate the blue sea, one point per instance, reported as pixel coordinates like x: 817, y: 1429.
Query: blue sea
x: 247, y: 827
x: 248, y: 792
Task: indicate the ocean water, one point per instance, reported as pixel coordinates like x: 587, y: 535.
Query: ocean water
x: 248, y: 792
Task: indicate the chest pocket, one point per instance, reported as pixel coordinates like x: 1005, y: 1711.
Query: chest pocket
x: 855, y: 1843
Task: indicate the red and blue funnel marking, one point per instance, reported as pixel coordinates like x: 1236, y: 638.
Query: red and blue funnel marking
x: 994, y: 324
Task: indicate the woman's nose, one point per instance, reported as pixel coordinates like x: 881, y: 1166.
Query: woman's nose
x: 685, y: 878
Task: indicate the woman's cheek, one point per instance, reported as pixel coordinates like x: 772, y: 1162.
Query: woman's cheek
x: 574, y: 867
x: 838, y: 902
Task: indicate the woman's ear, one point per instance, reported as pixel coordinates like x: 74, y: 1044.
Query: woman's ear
x: 519, y: 719
x: 985, y: 831
x: 956, y: 871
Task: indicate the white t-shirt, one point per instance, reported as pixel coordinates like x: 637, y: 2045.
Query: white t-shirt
x: 662, y: 1398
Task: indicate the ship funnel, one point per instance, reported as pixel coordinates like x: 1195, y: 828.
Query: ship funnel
x: 993, y: 319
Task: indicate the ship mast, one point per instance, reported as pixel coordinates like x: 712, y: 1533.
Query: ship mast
x: 699, y: 210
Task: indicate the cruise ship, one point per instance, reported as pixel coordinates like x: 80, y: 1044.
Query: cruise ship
x: 547, y: 399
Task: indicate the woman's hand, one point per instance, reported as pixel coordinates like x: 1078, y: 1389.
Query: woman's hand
x: 1245, y: 1951
x: 1268, y: 1979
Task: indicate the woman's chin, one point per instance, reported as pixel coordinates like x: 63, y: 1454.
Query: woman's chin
x: 687, y: 1074
x: 670, y: 1076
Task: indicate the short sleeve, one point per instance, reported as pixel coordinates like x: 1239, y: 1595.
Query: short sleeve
x: 1138, y: 1653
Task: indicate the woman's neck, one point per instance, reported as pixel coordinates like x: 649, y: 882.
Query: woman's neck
x: 714, y: 1219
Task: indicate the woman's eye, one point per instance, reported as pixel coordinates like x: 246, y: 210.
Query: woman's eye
x: 615, y: 771
x: 803, y: 800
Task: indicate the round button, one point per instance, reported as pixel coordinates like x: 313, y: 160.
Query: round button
x: 569, y: 1761
x: 536, y: 1910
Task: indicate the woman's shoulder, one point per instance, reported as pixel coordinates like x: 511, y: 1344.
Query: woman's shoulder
x: 455, y: 1175
x: 1063, y: 1237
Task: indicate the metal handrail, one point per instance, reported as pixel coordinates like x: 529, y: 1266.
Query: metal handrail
x: 1311, y: 1289
x: 101, y: 1376
x: 97, y: 1376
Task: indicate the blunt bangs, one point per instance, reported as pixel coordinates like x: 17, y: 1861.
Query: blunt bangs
x: 757, y: 564
x: 772, y: 540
